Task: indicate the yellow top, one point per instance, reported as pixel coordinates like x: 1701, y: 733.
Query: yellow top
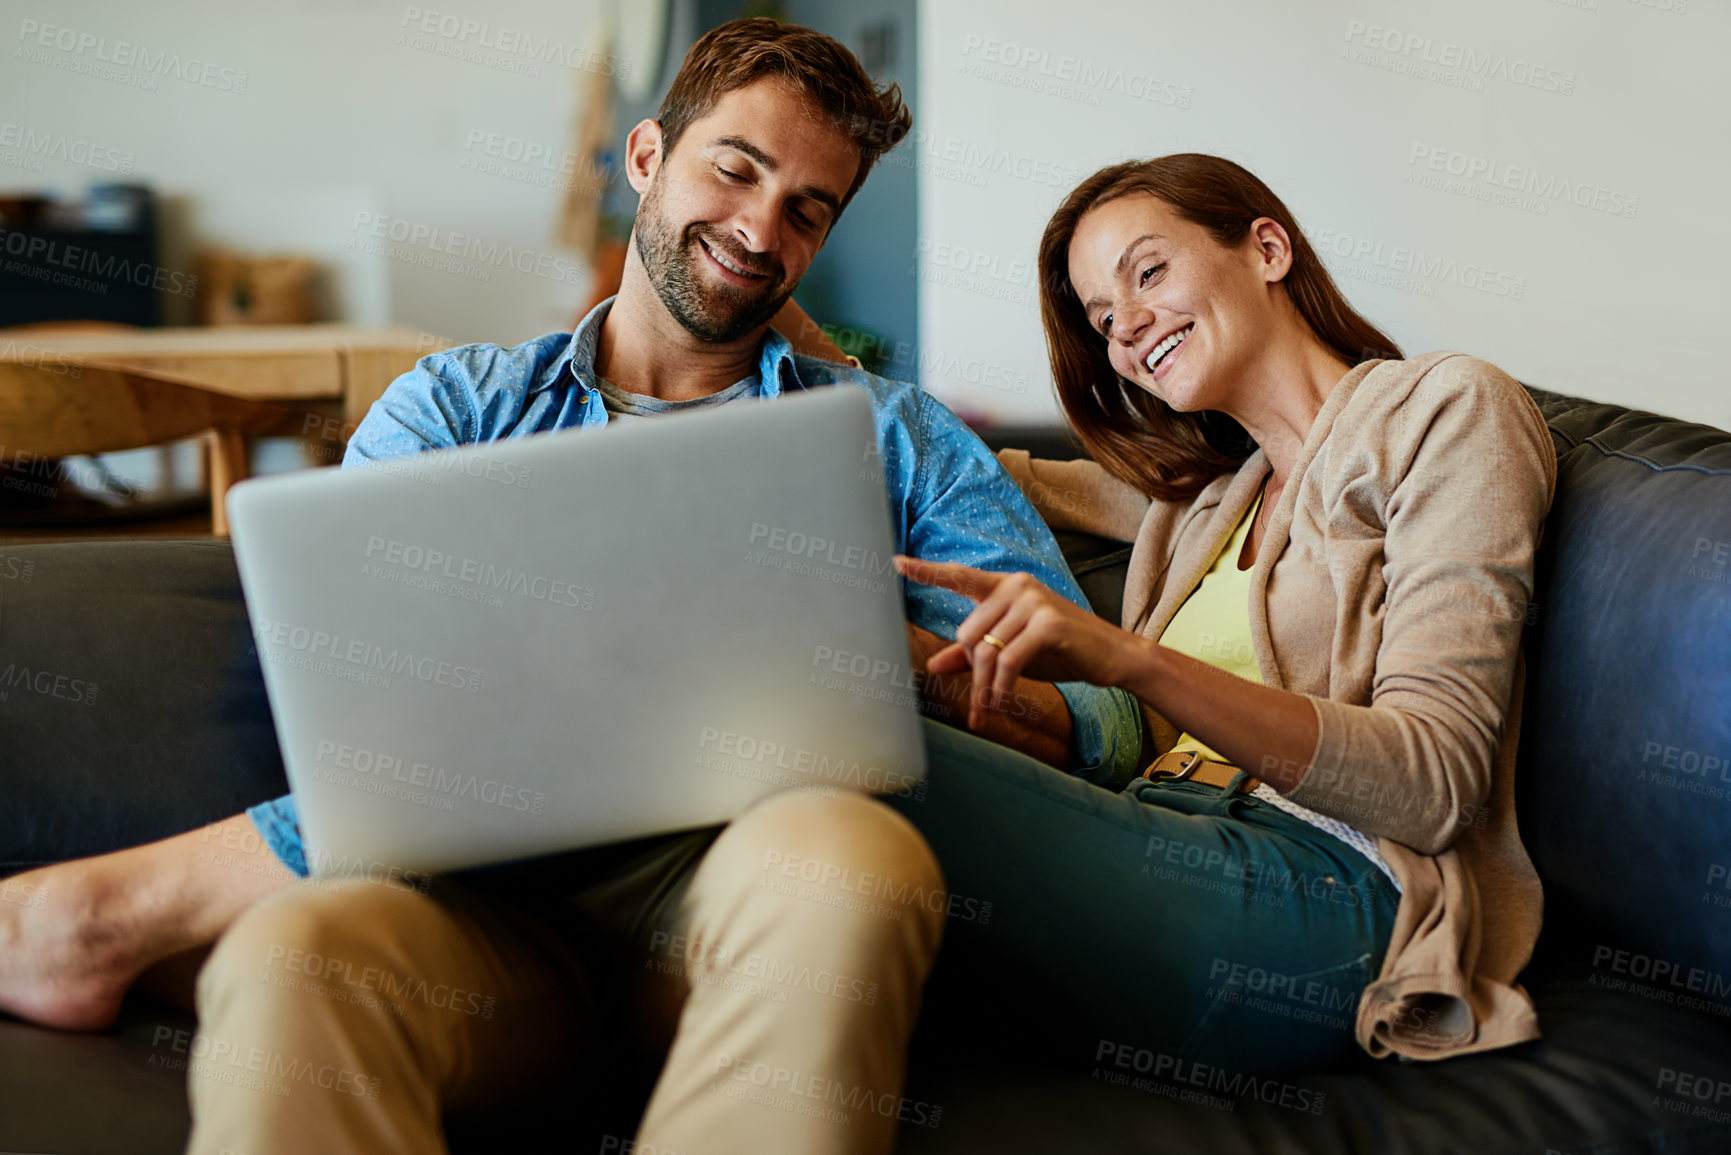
x: 1213, y: 624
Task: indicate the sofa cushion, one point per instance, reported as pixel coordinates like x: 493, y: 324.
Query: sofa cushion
x: 1624, y: 789
x: 1100, y: 566
x: 79, y: 1094
x: 1614, y: 1075
x: 131, y: 702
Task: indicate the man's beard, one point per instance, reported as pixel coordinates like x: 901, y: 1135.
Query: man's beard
x: 713, y: 313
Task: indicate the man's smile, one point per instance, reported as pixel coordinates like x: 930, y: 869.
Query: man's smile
x: 735, y: 270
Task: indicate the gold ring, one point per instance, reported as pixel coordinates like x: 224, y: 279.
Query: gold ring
x: 992, y: 638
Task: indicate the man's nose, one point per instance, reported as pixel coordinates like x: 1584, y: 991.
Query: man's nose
x: 757, y: 225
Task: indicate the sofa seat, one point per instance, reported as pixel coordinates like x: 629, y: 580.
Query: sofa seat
x: 1589, y: 1087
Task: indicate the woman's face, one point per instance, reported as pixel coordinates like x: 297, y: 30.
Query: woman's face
x: 1181, y: 315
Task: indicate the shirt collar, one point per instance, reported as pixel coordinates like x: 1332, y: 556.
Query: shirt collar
x: 775, y: 368
x: 580, y: 352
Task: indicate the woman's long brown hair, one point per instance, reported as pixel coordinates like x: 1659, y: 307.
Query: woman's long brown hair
x: 1168, y: 455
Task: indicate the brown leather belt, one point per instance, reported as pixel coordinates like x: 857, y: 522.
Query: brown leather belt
x: 1192, y: 766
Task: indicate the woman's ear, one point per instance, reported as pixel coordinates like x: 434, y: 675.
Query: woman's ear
x: 643, y: 154
x: 1273, y: 248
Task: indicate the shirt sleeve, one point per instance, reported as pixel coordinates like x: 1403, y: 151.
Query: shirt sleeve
x: 963, y: 507
x: 432, y: 406
x: 278, y: 823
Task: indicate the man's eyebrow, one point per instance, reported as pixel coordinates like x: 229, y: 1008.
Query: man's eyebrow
x: 811, y: 192
x: 740, y: 144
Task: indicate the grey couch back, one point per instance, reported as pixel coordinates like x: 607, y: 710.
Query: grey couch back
x: 131, y: 702
x: 132, y: 707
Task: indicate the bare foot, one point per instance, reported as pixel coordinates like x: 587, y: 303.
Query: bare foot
x: 57, y: 967
x: 75, y: 936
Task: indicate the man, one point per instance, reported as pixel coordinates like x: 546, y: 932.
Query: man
x: 741, y: 964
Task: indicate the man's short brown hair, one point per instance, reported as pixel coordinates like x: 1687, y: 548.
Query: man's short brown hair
x: 820, y: 68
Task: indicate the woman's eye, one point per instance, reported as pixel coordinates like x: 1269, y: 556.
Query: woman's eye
x: 1150, y: 271
x: 730, y: 174
x: 1106, y: 325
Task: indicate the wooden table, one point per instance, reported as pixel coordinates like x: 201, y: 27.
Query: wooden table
x: 300, y: 365
x: 325, y: 377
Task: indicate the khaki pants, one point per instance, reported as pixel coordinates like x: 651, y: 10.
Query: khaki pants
x: 775, y: 965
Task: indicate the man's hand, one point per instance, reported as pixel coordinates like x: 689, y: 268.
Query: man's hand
x: 943, y: 698
x: 1019, y: 626
x: 1032, y: 718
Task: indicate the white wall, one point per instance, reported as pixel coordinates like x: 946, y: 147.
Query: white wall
x: 320, y: 114
x: 349, y: 109
x: 1318, y: 99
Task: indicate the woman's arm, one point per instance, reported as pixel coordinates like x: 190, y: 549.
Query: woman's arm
x: 1077, y: 495
x: 1047, y: 637
x: 806, y: 335
x: 1470, y: 470
x: 1269, y: 732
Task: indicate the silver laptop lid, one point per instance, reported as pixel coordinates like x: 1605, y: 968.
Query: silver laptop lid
x: 527, y: 646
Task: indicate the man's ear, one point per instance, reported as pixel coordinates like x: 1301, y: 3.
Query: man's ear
x: 643, y: 154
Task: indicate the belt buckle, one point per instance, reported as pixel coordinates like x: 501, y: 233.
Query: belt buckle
x: 1193, y: 762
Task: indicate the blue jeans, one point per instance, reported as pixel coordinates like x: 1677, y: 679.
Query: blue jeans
x: 1173, y: 922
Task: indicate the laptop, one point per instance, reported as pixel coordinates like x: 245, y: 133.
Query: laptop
x: 535, y: 645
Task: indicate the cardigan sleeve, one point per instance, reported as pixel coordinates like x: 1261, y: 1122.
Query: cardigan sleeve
x: 1077, y: 495
x: 1473, y: 471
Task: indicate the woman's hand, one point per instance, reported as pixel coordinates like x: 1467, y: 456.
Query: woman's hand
x: 1020, y: 629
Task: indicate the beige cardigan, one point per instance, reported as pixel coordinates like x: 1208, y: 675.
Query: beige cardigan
x: 1391, y: 588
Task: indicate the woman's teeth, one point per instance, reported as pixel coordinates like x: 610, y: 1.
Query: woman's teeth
x: 1167, y: 346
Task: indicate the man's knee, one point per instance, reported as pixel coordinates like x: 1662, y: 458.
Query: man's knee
x: 847, y: 844
x: 300, y: 937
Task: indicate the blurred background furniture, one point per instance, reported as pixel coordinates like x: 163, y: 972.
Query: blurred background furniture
x: 64, y: 385
x: 46, y: 415
x: 237, y: 289
x: 95, y: 259
x: 1623, y: 809
x: 298, y: 365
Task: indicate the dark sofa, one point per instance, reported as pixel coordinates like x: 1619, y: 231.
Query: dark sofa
x: 1625, y: 796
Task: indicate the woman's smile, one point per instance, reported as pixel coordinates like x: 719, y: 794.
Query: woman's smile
x: 1159, y: 358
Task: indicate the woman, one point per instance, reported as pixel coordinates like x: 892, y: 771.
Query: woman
x: 1333, y: 560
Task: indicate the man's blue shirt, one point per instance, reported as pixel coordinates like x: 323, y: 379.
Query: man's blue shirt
x: 949, y: 498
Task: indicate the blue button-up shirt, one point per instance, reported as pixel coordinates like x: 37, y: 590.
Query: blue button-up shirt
x: 949, y: 498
